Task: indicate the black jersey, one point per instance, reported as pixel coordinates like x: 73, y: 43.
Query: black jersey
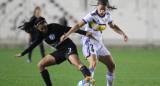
x: 33, y: 31
x: 52, y: 37
x: 34, y: 34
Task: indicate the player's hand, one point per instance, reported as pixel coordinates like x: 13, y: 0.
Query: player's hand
x: 89, y: 34
x: 125, y: 38
x: 17, y: 56
x: 63, y: 37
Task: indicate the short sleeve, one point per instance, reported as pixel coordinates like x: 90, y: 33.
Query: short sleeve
x: 109, y: 18
x: 87, y: 18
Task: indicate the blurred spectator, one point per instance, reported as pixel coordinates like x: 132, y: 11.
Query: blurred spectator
x: 63, y: 21
x: 33, y: 33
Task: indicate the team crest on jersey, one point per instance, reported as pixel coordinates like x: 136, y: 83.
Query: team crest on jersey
x: 106, y: 20
x: 92, y: 50
x: 52, y: 36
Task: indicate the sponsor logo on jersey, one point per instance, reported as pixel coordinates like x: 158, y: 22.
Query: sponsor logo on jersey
x: 51, y: 36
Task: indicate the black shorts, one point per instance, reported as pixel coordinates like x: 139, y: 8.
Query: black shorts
x: 63, y: 54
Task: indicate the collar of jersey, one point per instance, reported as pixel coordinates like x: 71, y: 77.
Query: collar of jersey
x: 99, y: 15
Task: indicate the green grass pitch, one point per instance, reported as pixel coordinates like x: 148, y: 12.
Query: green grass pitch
x: 134, y: 68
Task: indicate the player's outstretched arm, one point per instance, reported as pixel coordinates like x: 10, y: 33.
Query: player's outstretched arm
x: 118, y: 30
x: 32, y: 46
x: 73, y: 29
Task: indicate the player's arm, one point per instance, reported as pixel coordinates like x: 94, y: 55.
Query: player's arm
x: 73, y: 29
x: 32, y: 46
x: 85, y: 20
x: 82, y: 32
x: 76, y: 27
x: 118, y: 30
x: 77, y: 30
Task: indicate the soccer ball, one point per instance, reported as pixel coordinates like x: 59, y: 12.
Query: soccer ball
x: 84, y: 83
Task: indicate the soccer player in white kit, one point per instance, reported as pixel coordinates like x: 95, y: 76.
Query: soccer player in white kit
x: 93, y: 48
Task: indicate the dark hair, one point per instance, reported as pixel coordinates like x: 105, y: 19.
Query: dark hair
x: 31, y: 25
x: 106, y: 3
x: 39, y: 21
x: 28, y: 26
x: 36, y: 9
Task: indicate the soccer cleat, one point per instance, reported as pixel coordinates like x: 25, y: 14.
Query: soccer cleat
x: 89, y: 79
x: 92, y: 81
x: 83, y: 82
x: 29, y: 60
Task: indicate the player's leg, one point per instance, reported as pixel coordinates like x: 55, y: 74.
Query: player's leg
x: 89, y: 51
x: 45, y: 62
x: 30, y: 53
x: 109, y: 62
x: 106, y: 58
x: 72, y: 55
x: 92, y: 59
x: 74, y: 59
x: 42, y: 49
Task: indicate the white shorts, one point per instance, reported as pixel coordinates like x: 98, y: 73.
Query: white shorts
x: 91, y: 46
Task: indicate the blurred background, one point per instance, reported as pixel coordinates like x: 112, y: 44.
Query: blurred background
x: 139, y: 19
x: 137, y: 60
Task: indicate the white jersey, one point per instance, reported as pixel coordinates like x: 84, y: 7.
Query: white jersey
x: 97, y: 24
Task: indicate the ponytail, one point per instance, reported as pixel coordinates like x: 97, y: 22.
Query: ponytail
x: 106, y: 3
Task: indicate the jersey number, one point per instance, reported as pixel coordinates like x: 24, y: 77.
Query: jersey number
x: 69, y: 50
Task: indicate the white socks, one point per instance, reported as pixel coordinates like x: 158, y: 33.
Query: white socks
x: 109, y: 76
x: 92, y: 72
x: 110, y: 79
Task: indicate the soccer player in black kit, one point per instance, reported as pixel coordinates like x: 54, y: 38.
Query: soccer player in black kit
x: 32, y: 32
x: 65, y: 50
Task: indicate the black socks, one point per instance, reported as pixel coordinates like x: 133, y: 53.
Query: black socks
x: 85, y: 71
x: 46, y: 77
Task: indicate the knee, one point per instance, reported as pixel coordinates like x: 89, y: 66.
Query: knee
x: 40, y: 65
x: 92, y: 61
